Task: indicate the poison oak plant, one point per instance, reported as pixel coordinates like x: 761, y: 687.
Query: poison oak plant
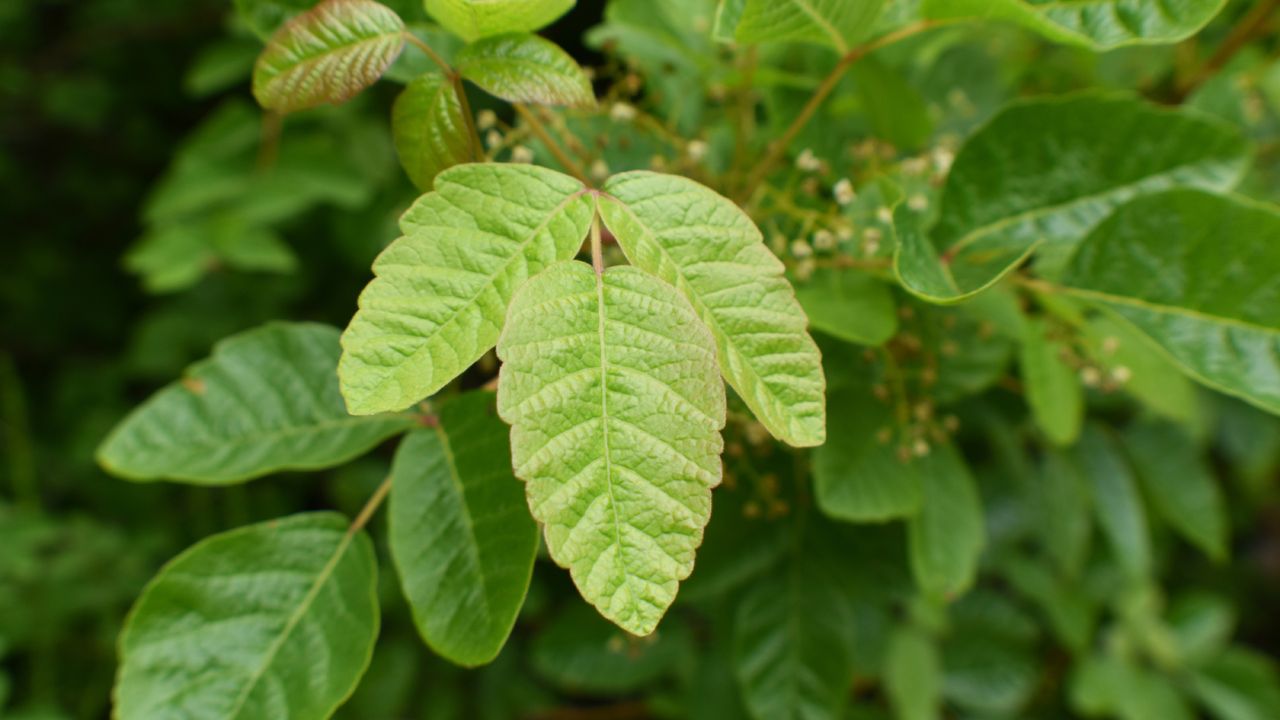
x: 1093, y: 238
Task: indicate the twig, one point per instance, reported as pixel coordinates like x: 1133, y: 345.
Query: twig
x: 560, y: 155
x: 1250, y: 26
x: 597, y: 247
x: 370, y: 507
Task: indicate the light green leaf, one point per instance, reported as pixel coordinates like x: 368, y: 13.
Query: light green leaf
x: 609, y: 383
x: 1201, y: 624
x: 1116, y: 501
x: 1200, y: 275
x: 849, y: 305
x: 266, y: 400
x: 271, y: 620
x: 1239, y: 685
x: 707, y: 248
x: 1096, y: 24
x: 523, y: 68
x: 475, y: 19
x: 1064, y: 511
x: 1052, y: 389
x: 858, y: 474
x: 947, y: 537
x: 728, y: 15
x: 327, y: 55
x: 1152, y: 378
x: 913, y: 675
x: 461, y: 535
x: 440, y: 294
x: 836, y: 23
x: 429, y: 129
x: 1180, y: 484
x: 581, y: 653
x: 1043, y: 173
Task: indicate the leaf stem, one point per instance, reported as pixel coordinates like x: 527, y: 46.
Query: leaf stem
x: 597, y: 249
x: 455, y: 79
x: 778, y: 148
x: 531, y: 119
x: 418, y: 43
x: 1250, y: 26
x: 370, y: 507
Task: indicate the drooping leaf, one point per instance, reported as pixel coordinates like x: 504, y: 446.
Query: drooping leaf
x: 1064, y: 511
x: 835, y: 23
x: 523, y: 68
x: 1052, y: 389
x: 475, y: 19
x: 460, y: 534
x: 1239, y: 685
x: 1152, y: 377
x: 327, y: 55
x: 849, y: 305
x: 1043, y: 173
x: 859, y: 475
x: 913, y: 675
x: 429, y: 129
x: 276, y: 619
x: 440, y: 293
x: 1200, y: 275
x: 1096, y: 24
x: 610, y: 385
x: 1116, y: 501
x: 988, y: 657
x: 583, y: 654
x: 266, y: 400
x: 1180, y: 484
x: 947, y: 536
x: 708, y: 249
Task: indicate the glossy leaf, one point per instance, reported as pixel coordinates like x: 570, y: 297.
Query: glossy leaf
x: 429, y: 129
x: 1200, y: 275
x: 849, y: 305
x: 271, y: 620
x: 266, y: 400
x: 708, y: 249
x: 1096, y: 24
x: 836, y: 23
x: 1119, y: 508
x: 947, y: 536
x: 1044, y: 172
x: 461, y: 535
x: 440, y: 292
x: 327, y: 55
x: 1052, y: 389
x: 913, y: 675
x: 859, y: 475
x: 475, y: 19
x: 609, y: 383
x: 1152, y: 377
x: 1180, y: 484
x: 523, y: 68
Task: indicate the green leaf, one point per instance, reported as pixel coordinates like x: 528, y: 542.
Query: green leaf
x: 1180, y: 484
x: 858, y: 474
x: 609, y: 383
x: 836, y: 23
x: 1152, y: 378
x: 523, y: 68
x: 460, y: 535
x: 1198, y: 274
x: 947, y: 537
x: 583, y: 654
x: 849, y: 305
x: 264, y: 17
x: 1239, y: 685
x: 276, y: 619
x: 266, y: 400
x: 429, y: 129
x: 1116, y: 501
x: 475, y: 19
x: 989, y: 663
x: 440, y: 294
x: 1201, y: 624
x: 1096, y: 24
x: 728, y: 15
x: 1052, y: 389
x: 913, y: 675
x: 1044, y: 172
x: 1064, y: 511
x: 327, y: 55
x: 707, y: 248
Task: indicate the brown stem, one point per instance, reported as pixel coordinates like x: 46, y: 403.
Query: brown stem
x: 561, y: 156
x: 597, y: 247
x: 370, y: 507
x: 779, y: 148
x: 1250, y: 26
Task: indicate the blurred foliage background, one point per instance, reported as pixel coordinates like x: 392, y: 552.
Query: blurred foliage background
x: 139, y: 230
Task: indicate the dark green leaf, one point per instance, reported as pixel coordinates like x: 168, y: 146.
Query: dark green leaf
x: 1116, y: 501
x: 581, y: 652
x: 1180, y: 484
x: 523, y: 68
x: 1097, y: 24
x: 1053, y: 391
x: 849, y: 305
x: 860, y: 474
x: 429, y: 129
x: 947, y: 536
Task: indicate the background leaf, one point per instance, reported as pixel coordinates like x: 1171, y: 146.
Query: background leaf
x: 270, y: 619
x: 1118, y: 505
x: 582, y: 653
x: 1052, y: 389
x: 834, y: 23
x: 1180, y: 484
x: 266, y: 400
x: 327, y: 55
x: 609, y: 383
x: 461, y: 535
x: 714, y: 255
x: 475, y: 19
x: 947, y: 536
x: 1098, y: 24
x: 429, y: 129
x: 849, y: 305
x: 523, y: 68
x: 440, y: 293
x: 913, y: 675
x: 859, y: 474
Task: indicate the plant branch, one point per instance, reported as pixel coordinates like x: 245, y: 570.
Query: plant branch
x: 779, y: 148
x: 558, y: 152
x: 418, y: 43
x: 1250, y: 26
x: 370, y: 507
x: 597, y: 249
x: 455, y: 79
